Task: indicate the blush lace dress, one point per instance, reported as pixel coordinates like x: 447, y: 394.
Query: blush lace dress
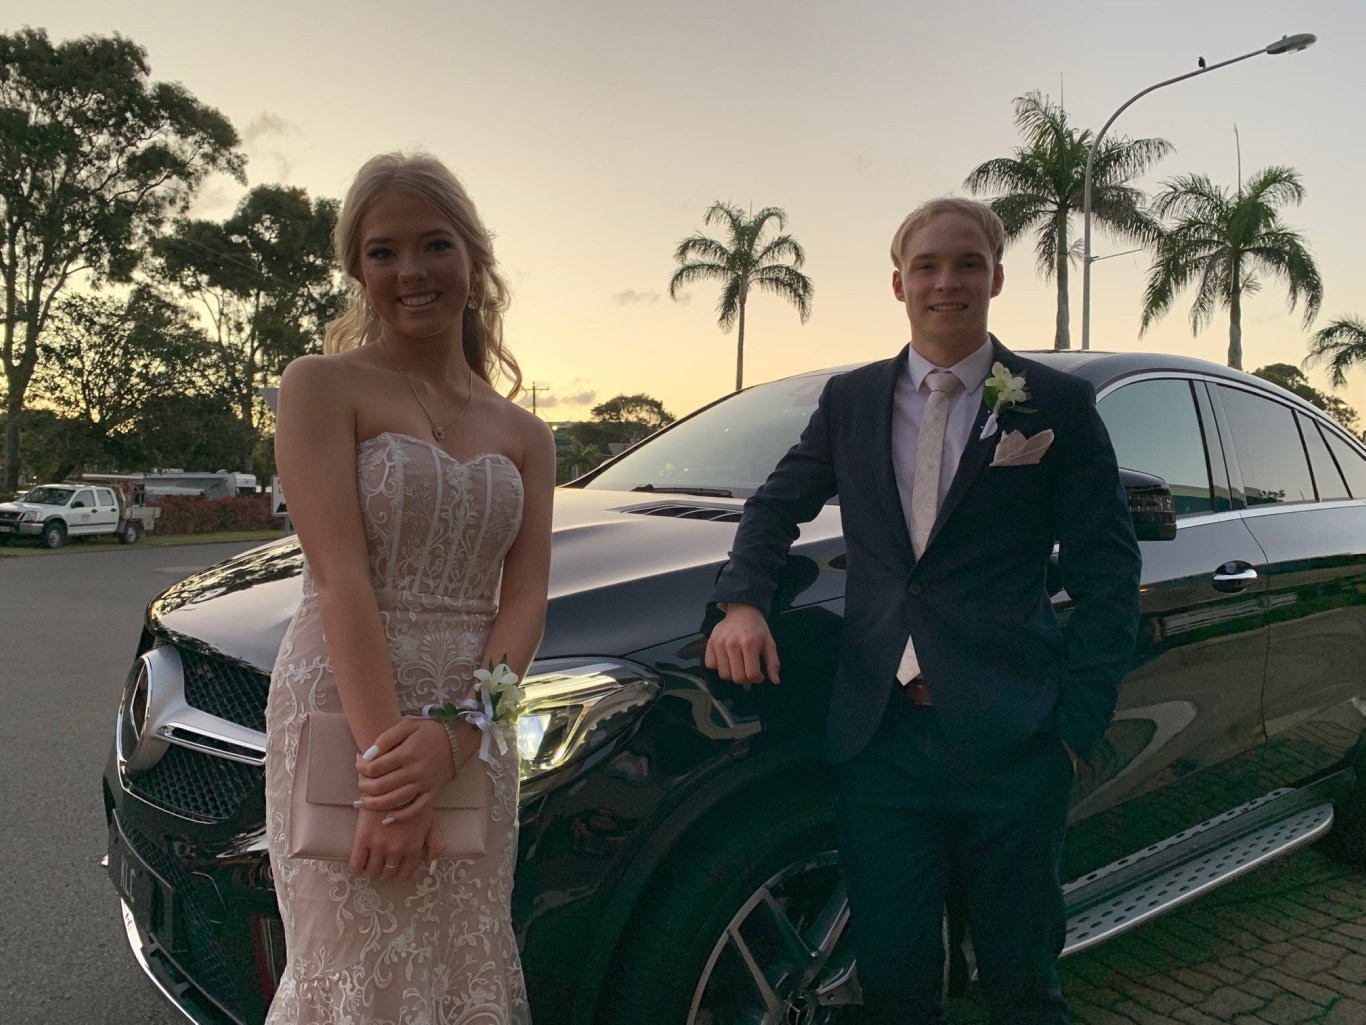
x: 438, y: 950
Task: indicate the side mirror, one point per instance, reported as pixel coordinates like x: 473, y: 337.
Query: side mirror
x: 1150, y: 504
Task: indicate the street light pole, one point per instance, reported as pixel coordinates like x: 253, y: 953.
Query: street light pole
x: 1286, y: 44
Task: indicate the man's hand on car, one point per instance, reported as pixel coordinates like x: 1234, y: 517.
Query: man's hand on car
x: 741, y: 647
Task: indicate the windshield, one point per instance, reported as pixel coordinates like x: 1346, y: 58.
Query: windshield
x: 48, y: 495
x: 726, y: 450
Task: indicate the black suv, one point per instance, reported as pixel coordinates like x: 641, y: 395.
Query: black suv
x: 677, y: 856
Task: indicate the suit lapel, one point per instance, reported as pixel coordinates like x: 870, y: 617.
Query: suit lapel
x: 884, y: 401
x: 978, y: 450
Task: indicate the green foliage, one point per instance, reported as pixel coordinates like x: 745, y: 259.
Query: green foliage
x: 1292, y: 379
x: 104, y: 357
x: 1221, y: 242
x: 54, y: 447
x: 744, y: 261
x: 193, y: 431
x: 267, y: 281
x: 575, y: 459
x: 1341, y: 345
x: 93, y: 158
x: 1042, y: 185
x: 635, y: 409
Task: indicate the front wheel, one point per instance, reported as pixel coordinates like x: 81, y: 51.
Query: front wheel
x: 750, y: 928
x: 54, y: 534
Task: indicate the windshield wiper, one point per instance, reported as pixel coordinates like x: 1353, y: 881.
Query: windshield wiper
x: 700, y: 492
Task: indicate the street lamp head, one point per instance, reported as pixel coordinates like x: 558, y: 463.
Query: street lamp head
x: 1293, y: 44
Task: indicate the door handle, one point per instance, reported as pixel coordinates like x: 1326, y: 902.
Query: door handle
x: 1232, y: 577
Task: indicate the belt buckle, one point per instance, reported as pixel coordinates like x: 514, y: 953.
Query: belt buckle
x: 918, y: 694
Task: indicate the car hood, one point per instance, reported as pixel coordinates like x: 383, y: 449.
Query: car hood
x: 27, y: 507
x: 628, y: 571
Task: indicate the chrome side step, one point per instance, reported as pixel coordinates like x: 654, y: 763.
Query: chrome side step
x: 1152, y: 882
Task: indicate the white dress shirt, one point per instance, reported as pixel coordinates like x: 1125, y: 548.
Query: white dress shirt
x: 908, y: 409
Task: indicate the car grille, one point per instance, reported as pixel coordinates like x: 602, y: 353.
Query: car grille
x: 9, y: 519
x: 228, y: 690
x: 197, y: 951
x: 197, y: 785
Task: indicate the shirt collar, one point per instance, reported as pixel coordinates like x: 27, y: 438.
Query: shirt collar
x: 971, y: 370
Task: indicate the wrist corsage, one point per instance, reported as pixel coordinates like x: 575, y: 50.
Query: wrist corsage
x: 492, y: 708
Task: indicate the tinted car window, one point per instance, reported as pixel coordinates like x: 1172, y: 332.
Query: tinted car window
x: 1155, y: 428
x: 1326, y: 477
x: 1268, y: 448
x: 1350, y: 462
x: 731, y: 446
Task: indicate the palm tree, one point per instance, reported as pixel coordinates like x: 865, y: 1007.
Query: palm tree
x: 577, y: 459
x: 1221, y: 242
x: 1043, y: 185
x: 1342, y: 345
x: 746, y: 260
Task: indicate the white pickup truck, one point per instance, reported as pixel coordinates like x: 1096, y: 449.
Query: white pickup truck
x: 55, y: 512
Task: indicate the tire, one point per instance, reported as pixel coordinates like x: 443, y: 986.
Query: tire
x: 54, y: 534
x: 763, y: 869
x: 131, y: 533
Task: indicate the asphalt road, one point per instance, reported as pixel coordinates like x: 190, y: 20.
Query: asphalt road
x: 69, y: 622
x: 1285, y: 944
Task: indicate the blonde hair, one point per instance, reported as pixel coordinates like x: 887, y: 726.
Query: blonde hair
x: 422, y: 175
x: 985, y: 217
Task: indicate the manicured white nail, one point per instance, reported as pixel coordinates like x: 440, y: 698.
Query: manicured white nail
x: 388, y: 821
x: 371, y: 753
x: 358, y: 804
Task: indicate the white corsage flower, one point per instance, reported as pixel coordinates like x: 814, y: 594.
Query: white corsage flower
x: 1002, y: 391
x: 493, y: 708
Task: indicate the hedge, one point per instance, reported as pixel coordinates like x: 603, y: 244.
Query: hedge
x: 192, y: 514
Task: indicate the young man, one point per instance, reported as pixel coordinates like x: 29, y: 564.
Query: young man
x: 960, y: 707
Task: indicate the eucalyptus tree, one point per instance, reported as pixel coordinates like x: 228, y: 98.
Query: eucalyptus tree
x: 1223, y: 243
x: 106, y: 357
x: 1042, y: 186
x: 266, y: 282
x: 94, y: 156
x: 746, y: 259
x: 1339, y: 346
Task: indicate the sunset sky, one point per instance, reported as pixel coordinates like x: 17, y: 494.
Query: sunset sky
x: 593, y: 136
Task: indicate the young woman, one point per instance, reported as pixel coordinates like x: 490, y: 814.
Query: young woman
x: 422, y: 500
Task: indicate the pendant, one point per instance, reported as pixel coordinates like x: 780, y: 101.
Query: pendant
x: 438, y: 433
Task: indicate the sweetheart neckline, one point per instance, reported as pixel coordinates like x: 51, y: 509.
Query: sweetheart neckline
x: 438, y: 449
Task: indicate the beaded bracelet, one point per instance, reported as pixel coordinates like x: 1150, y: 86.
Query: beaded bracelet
x: 454, y: 740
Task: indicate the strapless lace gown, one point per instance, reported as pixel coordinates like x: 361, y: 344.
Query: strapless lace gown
x: 439, y: 950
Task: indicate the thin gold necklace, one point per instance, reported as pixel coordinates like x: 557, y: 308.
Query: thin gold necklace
x: 438, y: 432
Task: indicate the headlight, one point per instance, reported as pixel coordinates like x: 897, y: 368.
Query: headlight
x: 574, y: 706
x: 29, y: 515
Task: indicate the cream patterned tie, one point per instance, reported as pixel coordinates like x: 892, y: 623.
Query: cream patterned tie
x: 929, y: 457
x: 929, y: 460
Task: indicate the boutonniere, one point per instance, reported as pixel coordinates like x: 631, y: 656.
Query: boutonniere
x: 493, y: 708
x: 1002, y: 391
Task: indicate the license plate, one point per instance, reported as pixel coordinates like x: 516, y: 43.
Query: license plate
x: 137, y: 886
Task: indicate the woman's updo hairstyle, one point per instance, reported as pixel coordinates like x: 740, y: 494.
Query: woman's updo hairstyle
x: 424, y: 176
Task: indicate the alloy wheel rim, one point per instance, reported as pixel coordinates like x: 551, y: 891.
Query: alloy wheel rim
x: 785, y: 957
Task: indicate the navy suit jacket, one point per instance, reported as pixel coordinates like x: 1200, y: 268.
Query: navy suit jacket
x: 998, y: 664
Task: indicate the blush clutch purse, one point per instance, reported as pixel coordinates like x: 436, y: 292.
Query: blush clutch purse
x: 322, y: 819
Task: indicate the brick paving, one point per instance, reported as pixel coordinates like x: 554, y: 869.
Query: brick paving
x: 1284, y: 945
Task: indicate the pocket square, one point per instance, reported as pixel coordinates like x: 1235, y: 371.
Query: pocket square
x: 1014, y: 449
